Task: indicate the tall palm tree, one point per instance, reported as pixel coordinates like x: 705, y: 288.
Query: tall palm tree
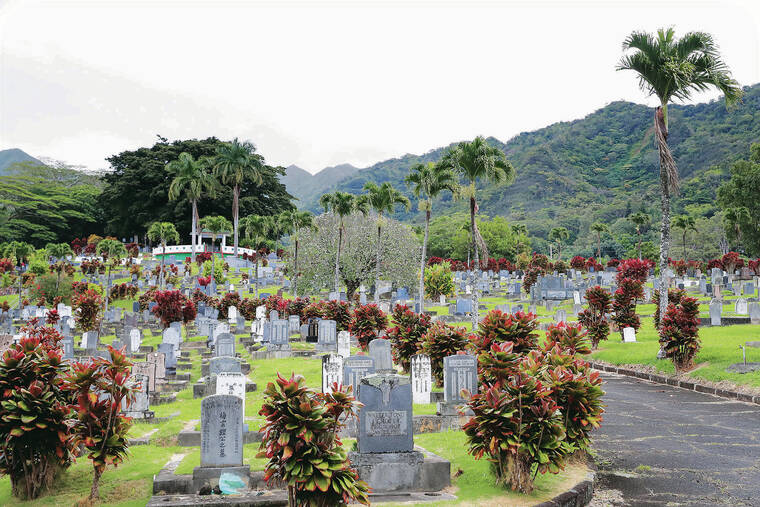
x: 215, y: 225
x: 192, y: 178
x: 296, y: 220
x: 382, y: 199
x: 342, y: 204
x: 235, y: 163
x: 256, y: 229
x: 673, y: 68
x: 58, y: 251
x: 733, y: 219
x: 429, y: 181
x: 559, y: 234
x: 599, y: 228
x: 474, y: 161
x: 520, y: 230
x: 163, y: 232
x: 114, y: 251
x: 686, y: 224
x: 640, y: 220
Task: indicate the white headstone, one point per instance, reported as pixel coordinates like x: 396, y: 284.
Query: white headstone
x: 629, y: 335
x: 332, y: 371
x: 344, y: 343
x: 135, y: 340
x: 232, y: 314
x: 231, y: 383
x: 421, y: 378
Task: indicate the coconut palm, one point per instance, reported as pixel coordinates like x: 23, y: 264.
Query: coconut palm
x: 640, y: 220
x: 113, y: 250
x: 559, y: 234
x: 732, y: 220
x: 673, y: 68
x: 474, y: 161
x: 162, y: 232
x: 257, y: 228
x: 342, y: 204
x: 216, y: 226
x: 428, y: 181
x: 382, y: 199
x: 58, y: 251
x: 599, y: 228
x: 686, y: 224
x: 293, y: 221
x: 191, y: 177
x: 235, y: 163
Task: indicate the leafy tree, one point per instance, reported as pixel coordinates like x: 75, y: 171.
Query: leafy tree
x: 234, y: 163
x: 342, y: 205
x: 599, y: 228
x: 559, y: 234
x: 59, y: 251
x: 428, y: 181
x: 733, y: 219
x: 296, y: 221
x: 474, y: 161
x: 192, y: 178
x: 216, y: 225
x: 114, y: 250
x: 256, y: 228
x: 163, y: 232
x: 640, y: 221
x: 382, y: 199
x: 686, y: 224
x: 672, y: 68
x: 738, y: 199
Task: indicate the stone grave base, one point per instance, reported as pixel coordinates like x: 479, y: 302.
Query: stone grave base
x: 191, y: 438
x: 253, y: 498
x: 428, y: 423
x: 743, y: 368
x: 142, y: 414
x: 245, y: 368
x: 446, y: 408
x: 209, y: 476
x: 399, y: 472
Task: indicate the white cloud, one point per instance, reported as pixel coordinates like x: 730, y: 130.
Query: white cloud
x: 321, y: 83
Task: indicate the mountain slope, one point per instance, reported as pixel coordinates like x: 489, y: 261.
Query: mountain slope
x: 12, y: 156
x: 307, y: 187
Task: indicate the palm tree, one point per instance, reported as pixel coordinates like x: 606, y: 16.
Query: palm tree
x: 192, y: 178
x: 163, y: 232
x: 295, y: 221
x: 256, y: 228
x: 113, y: 250
x: 477, y: 160
x: 672, y: 68
x: 599, y: 228
x: 429, y: 181
x: 234, y: 164
x: 685, y: 223
x: 640, y: 220
x: 342, y: 204
x: 732, y: 220
x: 216, y: 225
x: 382, y: 199
x: 559, y: 234
x: 58, y: 251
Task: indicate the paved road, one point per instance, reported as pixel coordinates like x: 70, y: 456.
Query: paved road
x: 660, y: 445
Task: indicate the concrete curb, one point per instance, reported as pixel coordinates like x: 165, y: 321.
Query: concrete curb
x: 690, y: 385
x: 579, y: 495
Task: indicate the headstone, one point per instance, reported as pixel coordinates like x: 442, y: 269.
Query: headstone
x: 355, y: 368
x: 278, y: 339
x: 754, y: 312
x: 560, y: 316
x: 274, y: 315
x: 90, y: 340
x: 67, y: 344
x: 158, y: 359
x: 715, y: 310
x: 629, y: 335
x: 170, y: 355
x: 148, y: 370
x: 225, y: 345
x: 459, y: 372
x: 294, y: 323
x: 231, y: 383
x: 344, y: 344
x: 327, y: 335
x: 421, y: 374
x: 332, y: 371
x: 741, y: 306
x: 385, y: 420
x: 261, y: 312
x: 380, y: 351
x: 135, y: 340
x: 141, y: 403
x: 172, y: 337
x: 232, y: 314
x: 221, y: 431
x: 217, y: 365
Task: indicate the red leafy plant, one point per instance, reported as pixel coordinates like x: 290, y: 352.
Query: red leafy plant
x: 633, y: 268
x: 173, y: 306
x: 87, y: 308
x: 229, y: 299
x: 499, y: 327
x: 101, y: 387
x: 35, y: 441
x: 300, y: 440
x: 440, y: 341
x: 406, y: 334
x: 594, y: 317
x: 674, y: 296
x: 624, y: 304
x: 366, y: 323
x: 679, y: 333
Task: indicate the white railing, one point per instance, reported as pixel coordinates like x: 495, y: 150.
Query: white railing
x: 175, y: 249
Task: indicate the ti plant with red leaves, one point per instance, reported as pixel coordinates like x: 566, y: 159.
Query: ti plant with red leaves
x: 100, y: 388
x: 173, y: 306
x: 440, y: 341
x: 633, y: 268
x: 679, y: 333
x: 571, y: 338
x: 87, y: 308
x: 624, y: 303
x: 674, y: 296
x: 594, y: 317
x: 406, y: 334
x: 300, y: 440
x: 366, y: 323
x: 499, y: 327
x: 35, y: 441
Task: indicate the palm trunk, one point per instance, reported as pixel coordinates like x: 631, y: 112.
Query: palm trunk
x: 337, y: 257
x: 256, y: 282
x: 477, y: 266
x: 213, y: 262
x: 377, y: 262
x: 422, y: 262
x: 235, y: 211
x: 665, y: 227
x: 598, y: 245
x: 639, y: 243
x: 194, y: 234
x: 295, y: 268
x: 684, y: 244
x: 163, y: 256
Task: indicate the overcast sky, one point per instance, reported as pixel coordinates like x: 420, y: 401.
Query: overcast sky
x: 322, y: 83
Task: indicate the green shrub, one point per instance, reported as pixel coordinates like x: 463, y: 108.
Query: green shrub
x: 440, y: 341
x: 219, y: 277
x: 439, y: 280
x: 48, y: 288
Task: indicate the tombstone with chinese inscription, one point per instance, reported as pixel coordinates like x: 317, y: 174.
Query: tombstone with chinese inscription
x: 217, y: 365
x: 327, y: 336
x: 421, y: 374
x: 332, y: 371
x: 459, y: 372
x: 221, y: 441
x: 355, y: 368
x: 278, y: 339
x: 231, y: 383
x: 225, y: 345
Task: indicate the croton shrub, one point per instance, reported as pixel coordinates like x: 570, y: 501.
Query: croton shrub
x: 406, y: 334
x: 594, y: 317
x: 173, y: 306
x: 367, y: 322
x: 301, y: 442
x: 87, y: 308
x: 442, y: 340
x: 674, y: 296
x: 679, y: 333
x: 438, y: 280
x: 633, y: 268
x: 499, y: 327
x: 229, y: 299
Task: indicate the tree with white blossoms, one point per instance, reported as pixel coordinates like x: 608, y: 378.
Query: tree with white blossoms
x: 399, y: 248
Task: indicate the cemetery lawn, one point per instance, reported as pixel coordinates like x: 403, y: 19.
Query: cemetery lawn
x: 720, y: 348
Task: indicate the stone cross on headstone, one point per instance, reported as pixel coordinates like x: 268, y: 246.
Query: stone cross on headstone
x: 385, y: 420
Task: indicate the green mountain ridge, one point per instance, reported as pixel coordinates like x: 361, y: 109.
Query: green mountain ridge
x: 13, y: 155
x: 307, y: 187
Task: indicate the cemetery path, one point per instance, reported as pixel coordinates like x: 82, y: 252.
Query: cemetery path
x: 660, y: 445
